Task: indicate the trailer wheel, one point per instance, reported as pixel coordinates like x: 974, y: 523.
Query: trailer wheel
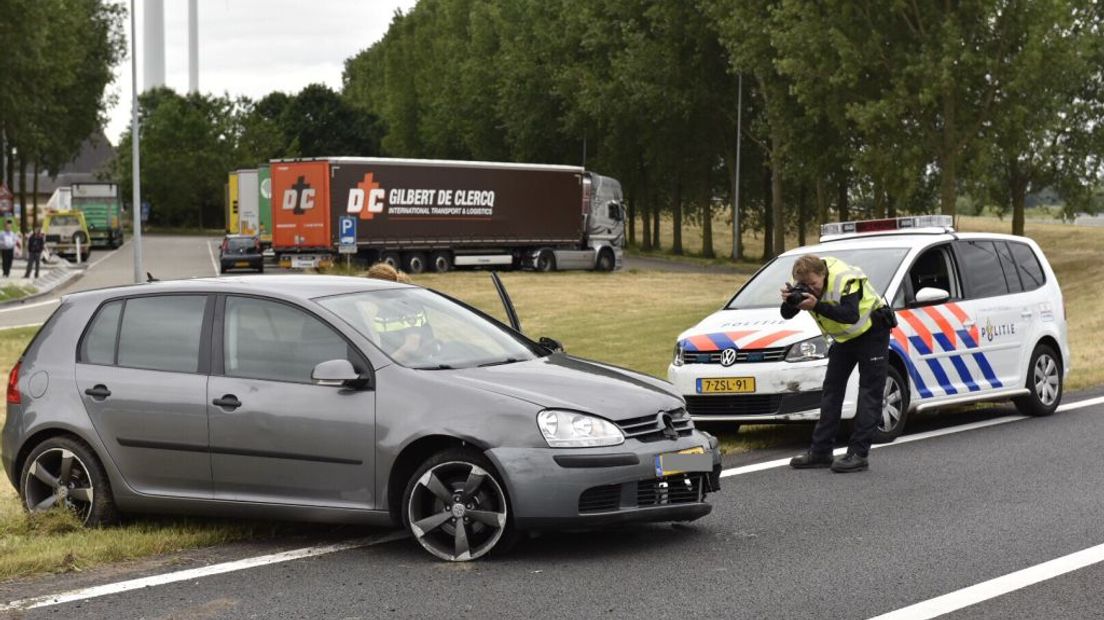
x: 414, y: 263
x: 441, y: 262
x: 606, y: 261
x: 546, y: 261
x: 391, y: 258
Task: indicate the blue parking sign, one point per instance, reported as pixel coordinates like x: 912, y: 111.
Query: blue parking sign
x: 348, y: 230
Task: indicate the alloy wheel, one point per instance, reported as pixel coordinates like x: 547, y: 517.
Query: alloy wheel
x: 457, y: 511
x: 1046, y: 379
x: 891, y: 406
x: 57, y: 476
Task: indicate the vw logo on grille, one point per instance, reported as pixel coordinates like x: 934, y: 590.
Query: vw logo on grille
x: 728, y: 357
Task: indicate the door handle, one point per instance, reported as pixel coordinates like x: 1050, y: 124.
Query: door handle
x: 228, y: 401
x: 98, y: 392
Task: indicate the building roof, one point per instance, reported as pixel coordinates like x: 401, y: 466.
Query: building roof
x: 95, y: 158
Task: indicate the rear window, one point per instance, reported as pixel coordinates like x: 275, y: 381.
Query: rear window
x: 162, y: 333
x: 879, y: 265
x: 241, y: 243
x: 1027, y: 264
x: 983, y: 270
x: 98, y: 346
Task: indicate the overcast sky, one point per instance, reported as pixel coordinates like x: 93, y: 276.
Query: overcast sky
x: 253, y: 47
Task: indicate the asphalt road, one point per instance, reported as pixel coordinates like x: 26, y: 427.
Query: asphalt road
x: 930, y: 517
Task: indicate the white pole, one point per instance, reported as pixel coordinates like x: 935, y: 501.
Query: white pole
x: 193, y: 46
x: 737, y: 242
x: 136, y: 202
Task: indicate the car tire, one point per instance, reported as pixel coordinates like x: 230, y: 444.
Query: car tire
x: 1044, y: 379
x: 414, y: 263
x: 441, y: 262
x: 444, y: 492
x: 64, y: 469
x: 546, y: 261
x: 895, y: 404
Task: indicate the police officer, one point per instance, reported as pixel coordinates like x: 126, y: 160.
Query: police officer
x: 847, y: 310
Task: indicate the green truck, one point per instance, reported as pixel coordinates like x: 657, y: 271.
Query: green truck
x: 102, y: 212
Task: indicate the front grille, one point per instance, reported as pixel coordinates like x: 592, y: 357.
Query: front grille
x: 600, y: 499
x: 750, y: 356
x: 681, y: 489
x: 651, y: 427
x: 752, y: 404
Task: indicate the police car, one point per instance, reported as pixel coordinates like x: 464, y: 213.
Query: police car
x: 980, y: 318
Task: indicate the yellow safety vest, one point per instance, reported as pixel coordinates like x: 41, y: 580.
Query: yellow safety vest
x: 843, y: 279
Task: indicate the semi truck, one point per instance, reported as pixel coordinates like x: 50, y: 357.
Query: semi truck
x: 102, y: 210
x: 421, y: 215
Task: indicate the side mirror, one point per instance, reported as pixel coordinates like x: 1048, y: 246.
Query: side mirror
x: 551, y: 344
x: 338, y: 373
x: 930, y: 295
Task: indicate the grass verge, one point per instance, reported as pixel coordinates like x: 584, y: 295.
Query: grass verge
x: 16, y: 291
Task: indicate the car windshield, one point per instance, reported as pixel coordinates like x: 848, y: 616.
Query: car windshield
x: 65, y: 220
x: 879, y: 265
x: 241, y: 243
x: 421, y: 329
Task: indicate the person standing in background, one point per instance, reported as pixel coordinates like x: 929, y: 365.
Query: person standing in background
x: 9, y: 242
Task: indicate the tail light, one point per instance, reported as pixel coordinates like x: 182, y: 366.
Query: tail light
x: 14, y: 397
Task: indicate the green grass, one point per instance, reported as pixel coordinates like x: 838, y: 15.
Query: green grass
x: 16, y: 291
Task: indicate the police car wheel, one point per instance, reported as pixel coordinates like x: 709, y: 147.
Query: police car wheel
x: 1044, y: 380
x: 891, y: 422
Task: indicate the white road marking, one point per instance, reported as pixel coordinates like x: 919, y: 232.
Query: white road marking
x: 1000, y: 586
x: 754, y: 467
x: 214, y: 263
x: 37, y: 304
x: 194, y: 573
x: 20, y: 326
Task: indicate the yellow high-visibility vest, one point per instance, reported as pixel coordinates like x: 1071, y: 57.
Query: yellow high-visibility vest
x: 843, y: 279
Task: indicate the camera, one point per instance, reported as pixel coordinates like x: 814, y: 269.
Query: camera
x: 796, y: 293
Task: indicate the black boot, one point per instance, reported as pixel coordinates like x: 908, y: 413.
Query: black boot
x: 811, y: 460
x: 850, y: 463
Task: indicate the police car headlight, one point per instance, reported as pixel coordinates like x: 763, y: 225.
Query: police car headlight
x: 569, y: 429
x: 811, y: 349
x: 678, y: 355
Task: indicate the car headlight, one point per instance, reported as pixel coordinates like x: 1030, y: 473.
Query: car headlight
x: 678, y: 354
x: 811, y: 349
x: 568, y: 429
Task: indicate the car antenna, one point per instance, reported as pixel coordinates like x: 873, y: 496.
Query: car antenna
x: 150, y: 278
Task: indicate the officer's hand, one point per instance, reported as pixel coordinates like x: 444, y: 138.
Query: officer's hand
x: 809, y: 302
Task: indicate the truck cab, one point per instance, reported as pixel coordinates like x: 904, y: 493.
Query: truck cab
x: 67, y: 234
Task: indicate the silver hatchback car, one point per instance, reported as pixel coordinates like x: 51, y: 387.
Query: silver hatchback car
x: 340, y: 399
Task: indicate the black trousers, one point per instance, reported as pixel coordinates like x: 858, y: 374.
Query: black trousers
x: 870, y: 352
x: 33, y: 259
x: 6, y: 257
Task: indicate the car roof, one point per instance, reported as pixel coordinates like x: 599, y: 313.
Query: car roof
x: 297, y: 287
x: 871, y: 241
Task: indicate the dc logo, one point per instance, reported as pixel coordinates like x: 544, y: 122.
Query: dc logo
x: 728, y: 357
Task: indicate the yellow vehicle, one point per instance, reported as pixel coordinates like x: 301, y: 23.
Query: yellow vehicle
x: 66, y: 231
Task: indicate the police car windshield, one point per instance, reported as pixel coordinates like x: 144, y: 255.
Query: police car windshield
x: 879, y: 265
x: 421, y: 329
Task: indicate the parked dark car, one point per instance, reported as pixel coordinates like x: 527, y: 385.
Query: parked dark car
x: 340, y: 399
x: 241, y: 252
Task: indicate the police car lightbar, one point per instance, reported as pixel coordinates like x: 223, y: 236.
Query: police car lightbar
x: 945, y: 222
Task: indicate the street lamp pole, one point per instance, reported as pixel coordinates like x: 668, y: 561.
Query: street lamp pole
x: 136, y: 202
